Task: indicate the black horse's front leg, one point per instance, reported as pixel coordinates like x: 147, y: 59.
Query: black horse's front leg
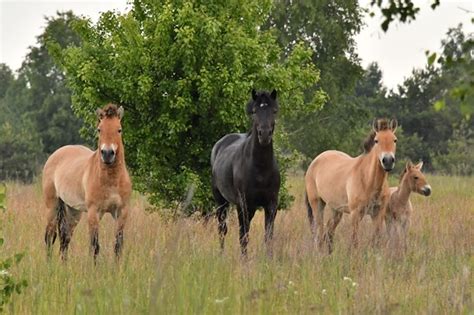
x: 244, y: 227
x: 270, y: 215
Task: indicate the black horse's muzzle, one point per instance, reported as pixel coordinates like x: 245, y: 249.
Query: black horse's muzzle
x: 108, y: 156
x: 265, y: 135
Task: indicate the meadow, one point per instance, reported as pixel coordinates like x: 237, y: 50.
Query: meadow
x: 176, y: 267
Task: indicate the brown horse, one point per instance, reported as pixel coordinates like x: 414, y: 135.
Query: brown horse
x: 357, y: 186
x: 77, y: 179
x: 399, y: 207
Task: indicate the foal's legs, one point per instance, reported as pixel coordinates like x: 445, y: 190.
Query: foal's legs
x: 121, y: 220
x: 93, y: 220
x: 331, y: 229
x: 68, y: 221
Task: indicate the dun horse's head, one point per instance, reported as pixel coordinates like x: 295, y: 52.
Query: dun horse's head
x: 263, y: 108
x: 416, y: 179
x: 383, y: 142
x: 110, y: 132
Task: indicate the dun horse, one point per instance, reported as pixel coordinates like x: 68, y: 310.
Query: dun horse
x: 357, y: 186
x: 399, y: 208
x: 77, y: 179
x: 245, y: 171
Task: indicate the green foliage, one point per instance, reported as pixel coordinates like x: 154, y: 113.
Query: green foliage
x: 183, y: 71
x: 8, y: 284
x: 328, y: 27
x: 402, y: 10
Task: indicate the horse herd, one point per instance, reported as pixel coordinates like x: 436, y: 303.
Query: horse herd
x: 244, y: 173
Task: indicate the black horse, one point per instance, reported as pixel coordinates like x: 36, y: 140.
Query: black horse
x: 245, y: 171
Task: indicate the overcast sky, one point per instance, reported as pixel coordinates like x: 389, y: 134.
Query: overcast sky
x: 398, y: 51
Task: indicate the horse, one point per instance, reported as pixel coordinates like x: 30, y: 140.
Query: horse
x: 77, y: 179
x: 354, y: 185
x: 397, y: 218
x: 245, y: 171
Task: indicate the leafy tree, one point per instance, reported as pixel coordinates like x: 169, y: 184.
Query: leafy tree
x: 183, y: 71
x: 328, y: 27
x: 6, y: 78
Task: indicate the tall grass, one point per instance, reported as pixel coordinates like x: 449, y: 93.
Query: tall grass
x: 177, y: 267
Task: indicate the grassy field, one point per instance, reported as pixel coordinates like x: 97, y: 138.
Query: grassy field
x: 176, y: 267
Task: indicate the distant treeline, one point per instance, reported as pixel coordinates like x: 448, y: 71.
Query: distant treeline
x: 210, y: 62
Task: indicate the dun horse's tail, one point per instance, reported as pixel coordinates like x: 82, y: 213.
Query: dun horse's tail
x: 62, y: 224
x: 310, y: 212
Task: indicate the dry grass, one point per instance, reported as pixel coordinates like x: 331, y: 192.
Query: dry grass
x: 176, y: 267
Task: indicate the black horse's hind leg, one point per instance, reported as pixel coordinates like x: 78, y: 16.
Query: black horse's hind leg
x: 221, y: 213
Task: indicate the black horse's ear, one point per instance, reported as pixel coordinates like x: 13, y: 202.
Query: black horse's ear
x: 254, y: 94
x: 251, y: 108
x: 274, y: 94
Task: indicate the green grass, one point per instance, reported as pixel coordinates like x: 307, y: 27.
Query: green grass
x: 176, y: 267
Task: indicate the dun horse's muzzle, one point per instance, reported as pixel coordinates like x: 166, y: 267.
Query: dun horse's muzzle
x: 426, y: 190
x: 388, y: 162
x: 108, y: 156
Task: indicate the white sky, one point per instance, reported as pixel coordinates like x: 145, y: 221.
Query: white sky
x: 398, y: 51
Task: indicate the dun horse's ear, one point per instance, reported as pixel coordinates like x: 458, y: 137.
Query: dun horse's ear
x: 273, y: 95
x: 409, y: 165
x: 120, y: 112
x: 254, y: 94
x: 100, y: 113
x: 419, y: 165
x: 375, y: 125
x: 393, y: 125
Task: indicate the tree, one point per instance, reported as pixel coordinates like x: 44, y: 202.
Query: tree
x: 328, y: 27
x: 6, y: 78
x: 183, y: 70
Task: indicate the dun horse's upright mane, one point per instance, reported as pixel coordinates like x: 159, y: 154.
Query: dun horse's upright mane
x: 109, y: 111
x: 369, y: 142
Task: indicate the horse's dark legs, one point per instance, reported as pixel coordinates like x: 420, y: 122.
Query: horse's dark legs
x: 221, y: 213
x: 221, y: 217
x: 122, y: 218
x: 320, y: 222
x: 245, y: 216
x: 270, y: 214
x: 51, y: 227
x: 68, y: 220
x: 332, y: 224
x: 93, y: 220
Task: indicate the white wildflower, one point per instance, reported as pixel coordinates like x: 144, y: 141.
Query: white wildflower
x: 347, y: 279
x: 324, y: 292
x: 220, y: 301
x: 4, y: 272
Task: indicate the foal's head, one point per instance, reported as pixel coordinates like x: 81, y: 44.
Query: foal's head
x: 263, y: 108
x: 383, y: 142
x: 414, y: 178
x: 110, y: 132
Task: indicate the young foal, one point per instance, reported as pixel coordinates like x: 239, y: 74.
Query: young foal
x: 76, y: 179
x: 357, y: 186
x: 245, y: 171
x: 399, y: 207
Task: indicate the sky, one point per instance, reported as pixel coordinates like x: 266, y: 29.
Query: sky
x: 397, y: 52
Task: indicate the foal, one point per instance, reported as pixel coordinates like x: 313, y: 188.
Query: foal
x: 355, y: 185
x: 399, y: 207
x: 77, y: 179
x: 245, y: 171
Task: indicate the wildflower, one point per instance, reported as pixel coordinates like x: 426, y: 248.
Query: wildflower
x: 220, y: 301
x: 347, y: 279
x: 4, y: 272
x: 355, y: 284
x: 324, y: 292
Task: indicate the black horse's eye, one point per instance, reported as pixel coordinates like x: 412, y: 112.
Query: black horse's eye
x: 120, y: 130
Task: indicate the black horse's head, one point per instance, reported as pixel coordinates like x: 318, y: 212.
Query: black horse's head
x: 263, y: 108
